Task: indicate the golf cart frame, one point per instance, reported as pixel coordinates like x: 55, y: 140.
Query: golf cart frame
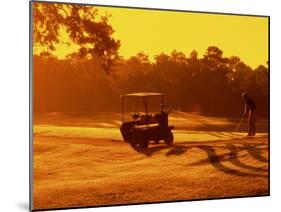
x: 147, y: 127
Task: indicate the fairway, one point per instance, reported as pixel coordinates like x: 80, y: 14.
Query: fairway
x: 74, y: 166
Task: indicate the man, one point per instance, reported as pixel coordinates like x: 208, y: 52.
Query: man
x: 249, y: 113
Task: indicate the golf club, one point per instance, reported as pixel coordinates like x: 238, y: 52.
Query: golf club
x: 238, y: 126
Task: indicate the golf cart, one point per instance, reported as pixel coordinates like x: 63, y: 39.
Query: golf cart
x: 146, y: 127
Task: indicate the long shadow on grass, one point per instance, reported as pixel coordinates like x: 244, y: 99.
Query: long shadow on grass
x: 216, y: 160
x: 232, y: 157
x: 255, y: 153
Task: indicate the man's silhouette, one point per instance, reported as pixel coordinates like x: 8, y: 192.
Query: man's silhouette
x: 249, y: 113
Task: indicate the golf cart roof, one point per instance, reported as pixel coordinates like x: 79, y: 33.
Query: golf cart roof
x: 142, y: 94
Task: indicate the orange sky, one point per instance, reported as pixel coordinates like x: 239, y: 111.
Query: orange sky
x: 153, y: 32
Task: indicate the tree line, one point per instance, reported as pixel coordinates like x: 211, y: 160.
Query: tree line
x: 212, y: 84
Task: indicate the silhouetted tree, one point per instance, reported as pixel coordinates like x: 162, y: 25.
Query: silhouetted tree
x: 82, y: 24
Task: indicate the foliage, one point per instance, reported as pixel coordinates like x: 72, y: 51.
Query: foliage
x: 83, y: 26
x: 212, y: 84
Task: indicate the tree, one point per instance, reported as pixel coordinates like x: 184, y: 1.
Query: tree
x: 93, y: 34
x: 213, y: 59
x: 261, y: 79
x: 233, y: 62
x: 194, y: 63
x: 242, y: 79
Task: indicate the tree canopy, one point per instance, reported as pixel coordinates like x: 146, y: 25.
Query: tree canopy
x: 84, y: 27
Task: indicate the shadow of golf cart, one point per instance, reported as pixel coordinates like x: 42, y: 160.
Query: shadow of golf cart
x: 146, y: 127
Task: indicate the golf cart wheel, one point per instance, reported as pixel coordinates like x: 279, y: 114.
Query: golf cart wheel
x: 169, y: 139
x: 134, y: 141
x: 144, y: 144
x: 137, y: 142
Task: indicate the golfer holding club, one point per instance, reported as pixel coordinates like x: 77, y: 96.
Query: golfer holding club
x: 249, y: 113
